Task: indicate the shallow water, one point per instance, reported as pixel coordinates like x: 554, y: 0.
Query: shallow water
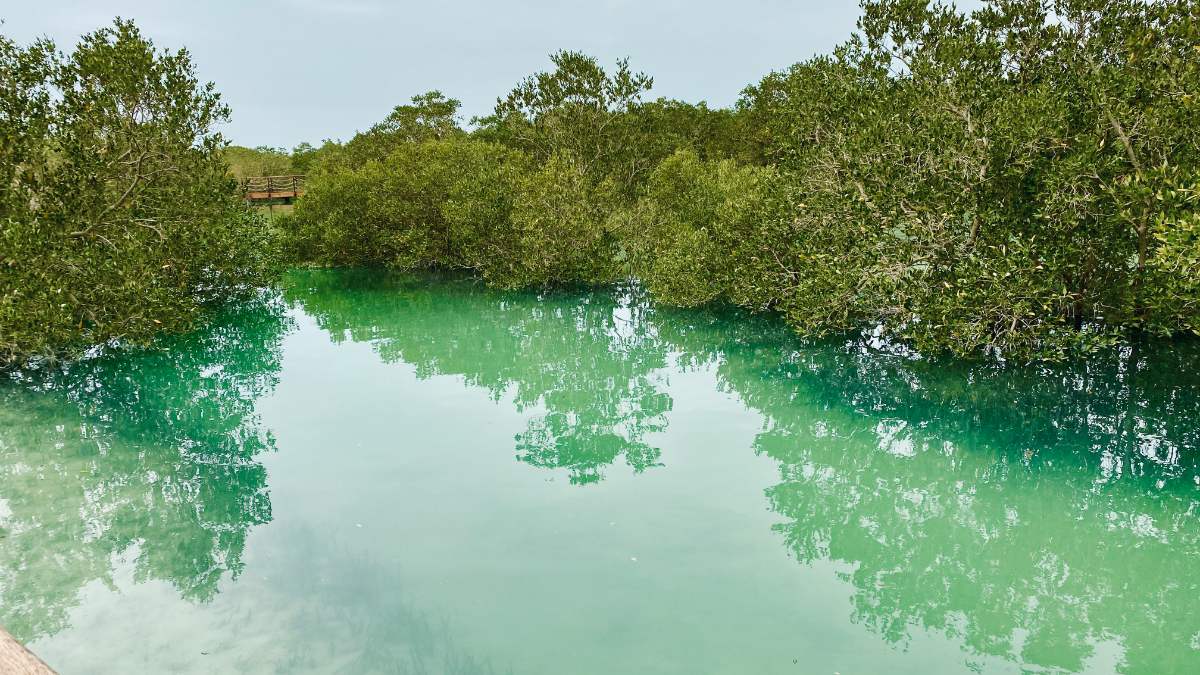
x: 386, y: 474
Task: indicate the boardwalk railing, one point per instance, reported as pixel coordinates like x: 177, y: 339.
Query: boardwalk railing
x: 272, y: 187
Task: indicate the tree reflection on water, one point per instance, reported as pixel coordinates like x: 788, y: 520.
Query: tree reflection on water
x: 151, y: 453
x: 1028, y: 513
x: 582, y: 357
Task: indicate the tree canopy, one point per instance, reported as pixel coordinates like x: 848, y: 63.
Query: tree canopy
x: 1019, y: 180
x: 118, y: 219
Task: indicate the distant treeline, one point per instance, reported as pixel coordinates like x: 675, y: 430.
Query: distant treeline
x: 260, y: 161
x: 1020, y: 180
x: 267, y: 161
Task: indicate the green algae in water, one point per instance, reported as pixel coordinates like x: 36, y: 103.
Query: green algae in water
x: 381, y: 473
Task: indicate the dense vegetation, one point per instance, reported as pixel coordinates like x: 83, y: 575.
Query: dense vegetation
x: 265, y: 160
x: 118, y: 218
x: 1020, y: 180
x: 261, y: 161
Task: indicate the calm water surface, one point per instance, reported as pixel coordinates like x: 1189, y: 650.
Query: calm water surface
x: 378, y: 473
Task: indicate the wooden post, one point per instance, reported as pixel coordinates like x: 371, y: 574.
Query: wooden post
x: 17, y: 660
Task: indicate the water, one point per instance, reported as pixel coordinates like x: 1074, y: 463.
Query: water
x: 386, y: 474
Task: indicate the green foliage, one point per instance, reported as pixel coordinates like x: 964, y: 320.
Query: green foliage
x: 1017, y: 180
x: 561, y: 228
x: 459, y: 203
x: 479, y: 204
x: 578, y: 110
x: 1171, y: 293
x: 25, y: 105
x: 431, y: 116
x: 427, y: 204
x: 260, y: 161
x: 305, y: 157
x: 666, y: 125
x: 537, y: 197
x: 705, y: 231
x: 121, y: 220
x: 990, y: 181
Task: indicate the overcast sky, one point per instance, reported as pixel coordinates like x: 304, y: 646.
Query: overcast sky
x: 304, y: 70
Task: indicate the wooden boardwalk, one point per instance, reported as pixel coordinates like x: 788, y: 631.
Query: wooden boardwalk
x: 15, y: 659
x: 270, y: 188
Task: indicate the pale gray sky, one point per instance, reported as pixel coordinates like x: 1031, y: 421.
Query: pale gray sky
x: 303, y: 70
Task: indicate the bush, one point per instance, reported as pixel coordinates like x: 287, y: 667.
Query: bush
x: 705, y: 231
x: 260, y: 161
x: 991, y: 181
x: 560, y: 230
x: 427, y: 204
x: 121, y: 220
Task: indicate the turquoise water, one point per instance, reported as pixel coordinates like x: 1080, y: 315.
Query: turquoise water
x: 376, y: 473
